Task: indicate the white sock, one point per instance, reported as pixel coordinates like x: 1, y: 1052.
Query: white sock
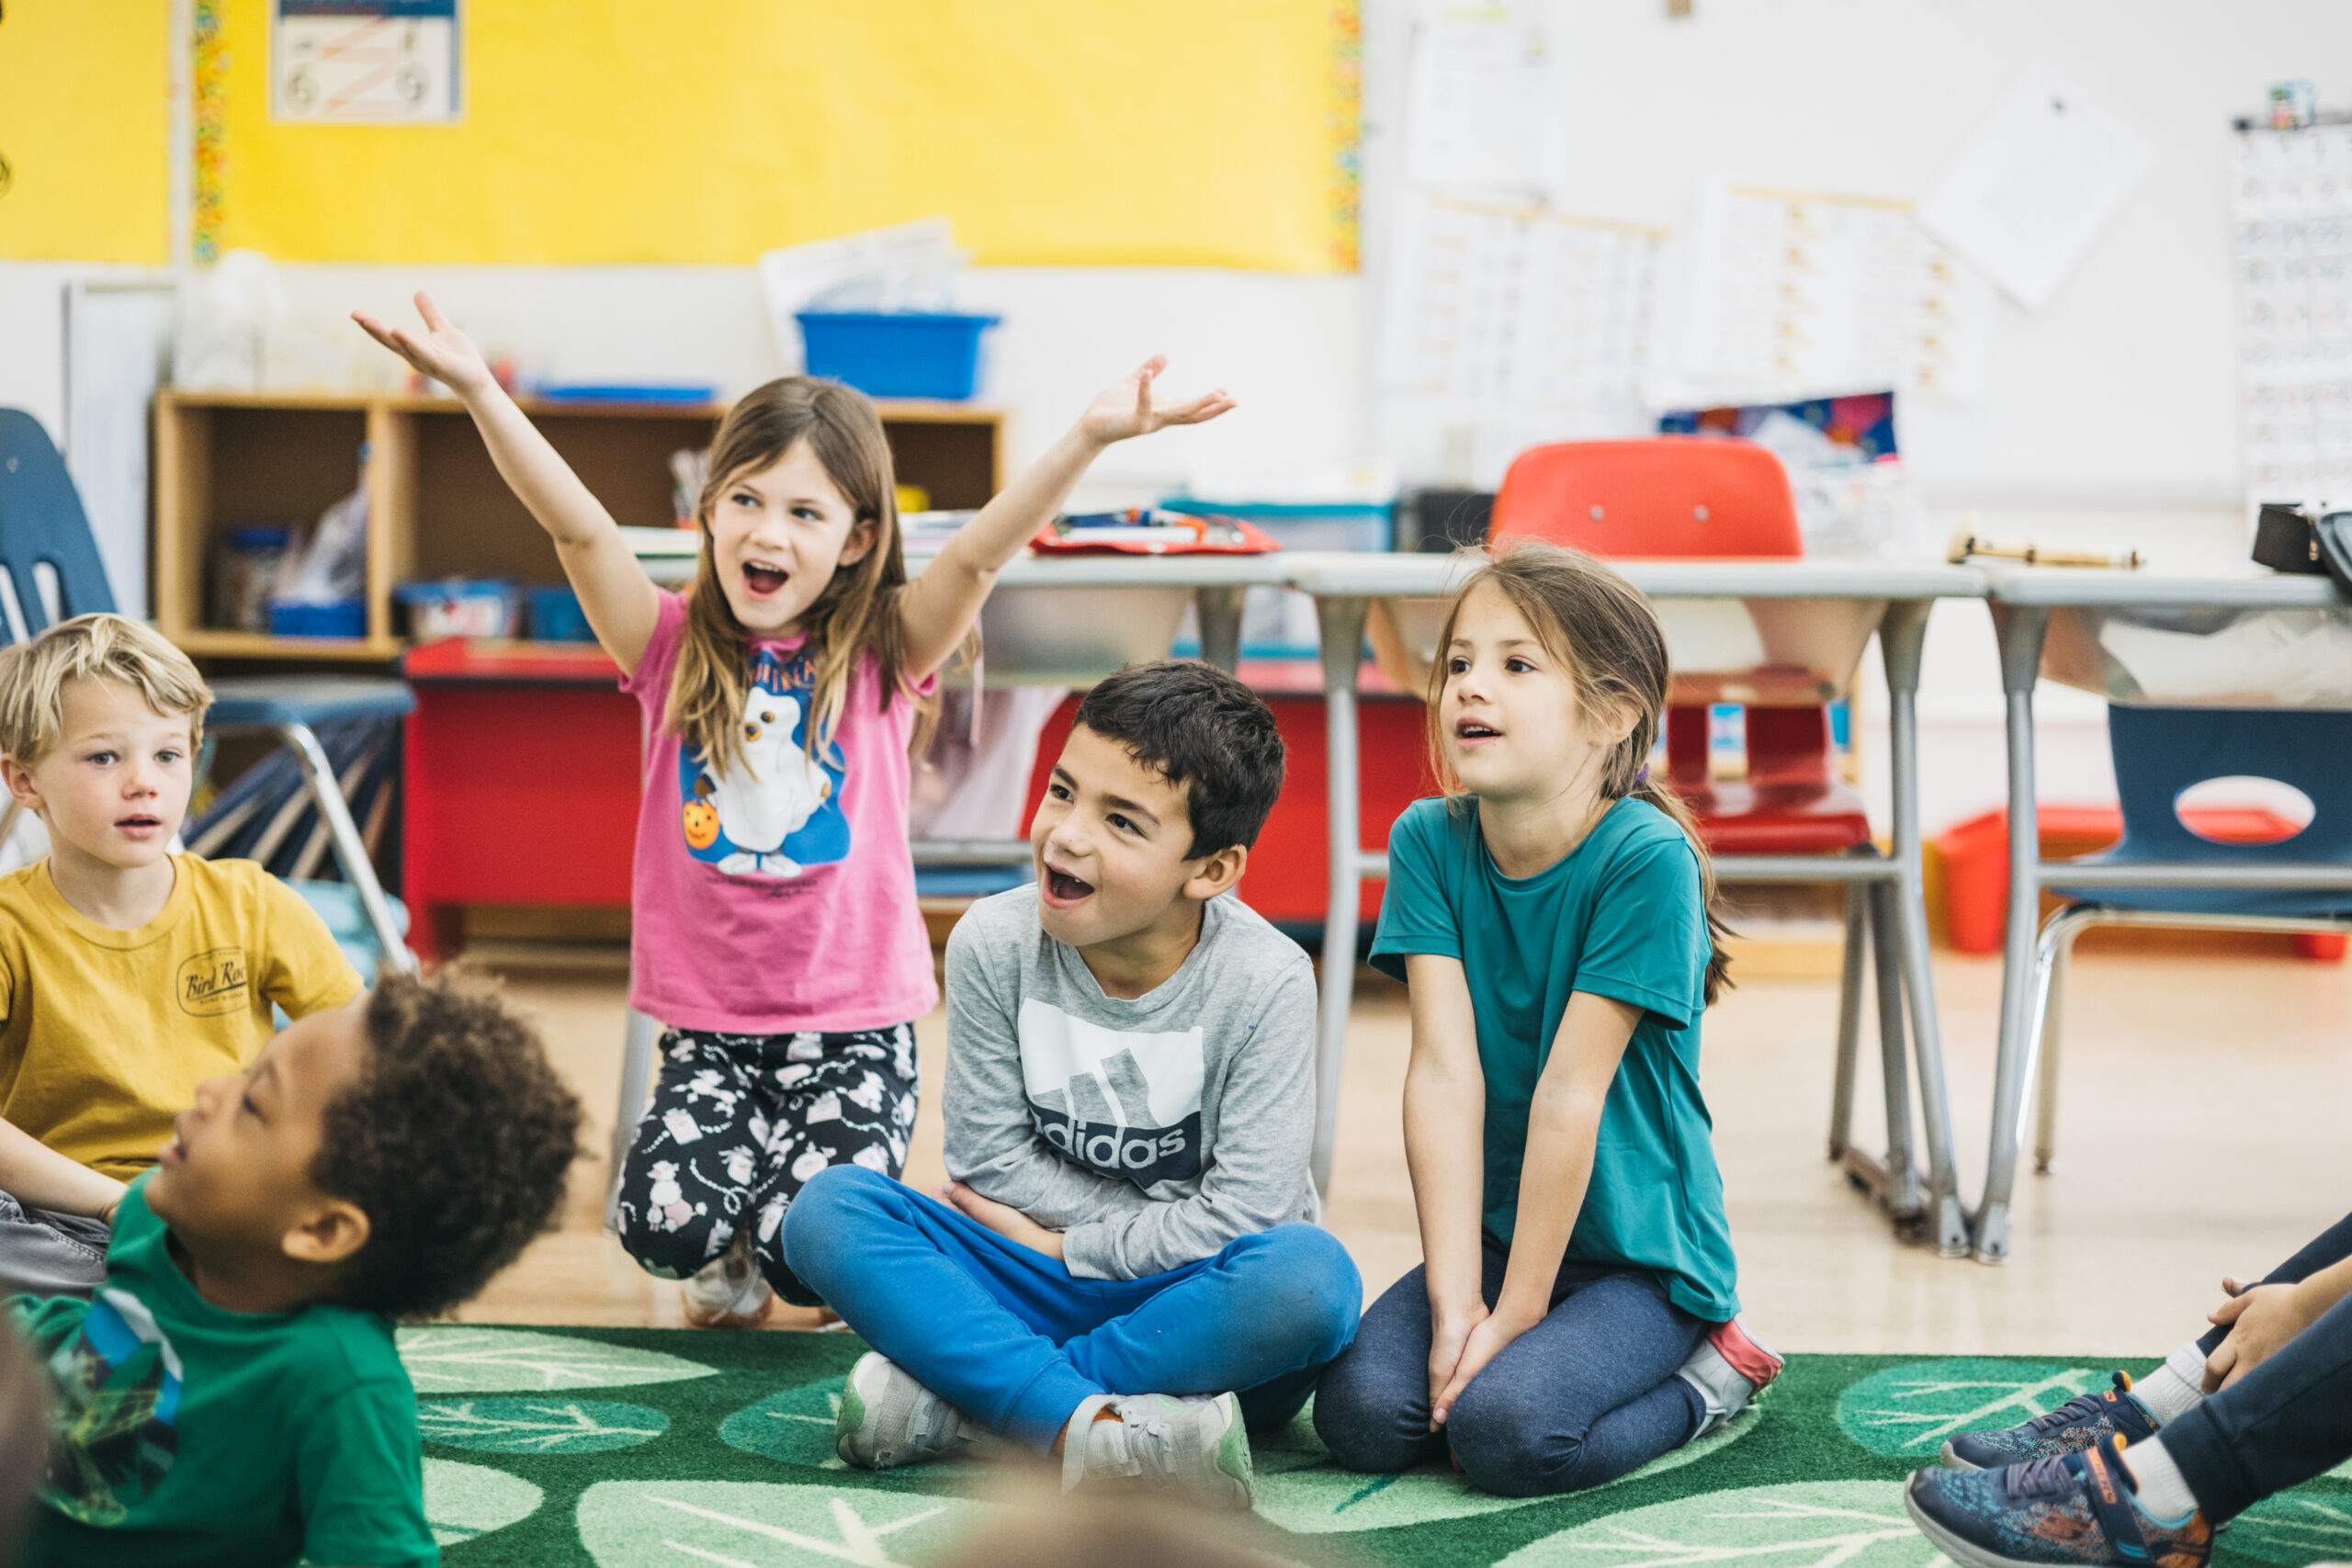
x: 2174, y: 1388
x: 2162, y: 1496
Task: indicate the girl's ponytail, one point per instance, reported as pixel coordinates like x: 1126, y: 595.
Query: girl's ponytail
x: 1662, y: 795
x: 1608, y: 637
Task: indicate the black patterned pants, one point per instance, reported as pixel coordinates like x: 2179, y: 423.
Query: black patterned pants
x: 740, y: 1121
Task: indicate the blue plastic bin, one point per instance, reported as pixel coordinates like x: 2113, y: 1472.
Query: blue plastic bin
x: 896, y: 354
x: 336, y: 617
x: 556, y: 615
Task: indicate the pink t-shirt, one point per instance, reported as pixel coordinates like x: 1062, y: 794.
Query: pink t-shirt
x: 781, y: 896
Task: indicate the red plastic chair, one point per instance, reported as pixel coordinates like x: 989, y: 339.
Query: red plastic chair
x: 1702, y: 496
x: 1682, y: 496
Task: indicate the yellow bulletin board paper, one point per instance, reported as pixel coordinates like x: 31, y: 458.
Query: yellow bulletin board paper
x: 85, y: 126
x: 1053, y: 132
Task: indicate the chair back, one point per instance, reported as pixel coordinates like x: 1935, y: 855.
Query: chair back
x: 43, y: 524
x: 2161, y: 752
x: 1661, y: 497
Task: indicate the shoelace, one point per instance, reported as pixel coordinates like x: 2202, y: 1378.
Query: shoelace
x: 2043, y: 1478
x: 2082, y: 1407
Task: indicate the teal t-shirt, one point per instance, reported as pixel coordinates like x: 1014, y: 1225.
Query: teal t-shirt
x: 184, y: 1434
x: 1620, y: 917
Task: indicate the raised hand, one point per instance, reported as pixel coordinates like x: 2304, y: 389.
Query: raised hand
x: 1125, y: 409
x: 444, y: 353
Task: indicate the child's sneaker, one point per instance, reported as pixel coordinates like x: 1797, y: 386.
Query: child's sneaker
x: 1195, y: 1447
x: 729, y: 1293
x: 887, y: 1419
x: 1729, y: 1367
x: 2068, y: 1511
x: 2083, y: 1422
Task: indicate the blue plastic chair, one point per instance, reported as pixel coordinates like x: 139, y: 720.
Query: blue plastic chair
x: 2160, y: 753
x: 42, y: 525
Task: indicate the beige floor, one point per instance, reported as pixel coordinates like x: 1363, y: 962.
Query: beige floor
x: 2205, y: 1130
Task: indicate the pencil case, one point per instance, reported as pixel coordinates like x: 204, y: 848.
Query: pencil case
x: 1150, y: 531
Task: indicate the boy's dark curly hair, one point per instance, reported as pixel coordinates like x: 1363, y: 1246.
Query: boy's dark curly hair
x: 455, y: 1143
x: 1206, y: 733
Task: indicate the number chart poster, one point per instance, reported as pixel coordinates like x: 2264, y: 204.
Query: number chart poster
x: 364, y: 62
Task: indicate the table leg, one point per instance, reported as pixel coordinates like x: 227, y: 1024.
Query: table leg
x: 2020, y: 629
x: 1850, y: 1020
x: 350, y: 848
x: 1902, y: 637
x: 1218, y: 611
x: 1902, y: 1193
x: 1340, y: 622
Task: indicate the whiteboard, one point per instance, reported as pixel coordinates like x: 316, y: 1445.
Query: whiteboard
x: 118, y: 338
x: 2122, y: 391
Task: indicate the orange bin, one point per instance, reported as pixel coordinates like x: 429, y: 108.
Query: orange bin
x: 1975, y: 856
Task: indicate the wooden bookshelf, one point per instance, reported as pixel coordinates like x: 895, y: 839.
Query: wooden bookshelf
x: 437, y: 506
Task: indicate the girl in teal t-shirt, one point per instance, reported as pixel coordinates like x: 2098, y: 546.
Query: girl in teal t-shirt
x: 1554, y: 916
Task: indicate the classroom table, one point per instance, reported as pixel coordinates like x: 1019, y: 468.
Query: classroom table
x: 2029, y: 605
x: 1777, y: 595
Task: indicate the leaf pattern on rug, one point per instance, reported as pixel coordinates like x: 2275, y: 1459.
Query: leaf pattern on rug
x: 462, y: 1359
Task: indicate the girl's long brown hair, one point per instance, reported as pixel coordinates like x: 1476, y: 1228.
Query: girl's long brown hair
x: 856, y: 612
x: 1599, y: 627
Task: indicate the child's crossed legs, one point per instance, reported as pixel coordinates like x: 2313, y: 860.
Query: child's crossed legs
x: 1011, y: 1339
x: 740, y: 1123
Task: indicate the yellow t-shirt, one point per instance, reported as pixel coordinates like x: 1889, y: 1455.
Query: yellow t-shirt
x: 105, y: 1034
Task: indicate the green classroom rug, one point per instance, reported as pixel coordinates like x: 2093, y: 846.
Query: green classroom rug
x: 665, y: 1448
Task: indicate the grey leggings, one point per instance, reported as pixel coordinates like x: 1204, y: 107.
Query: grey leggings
x: 1582, y: 1398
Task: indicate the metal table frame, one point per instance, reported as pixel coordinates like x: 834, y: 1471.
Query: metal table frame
x: 1343, y: 587
x: 2022, y: 600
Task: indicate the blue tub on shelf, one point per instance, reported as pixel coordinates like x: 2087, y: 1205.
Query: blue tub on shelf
x: 336, y: 617
x: 896, y: 354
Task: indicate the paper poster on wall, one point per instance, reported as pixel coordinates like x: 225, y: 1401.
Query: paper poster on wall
x: 1486, y: 108
x: 1795, y: 295
x: 2027, y: 196
x: 1490, y: 304
x: 364, y: 62
x: 2293, y: 200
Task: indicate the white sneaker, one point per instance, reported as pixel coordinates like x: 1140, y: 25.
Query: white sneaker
x: 1195, y: 1447
x: 729, y: 1293
x: 1729, y: 1367
x: 887, y: 1419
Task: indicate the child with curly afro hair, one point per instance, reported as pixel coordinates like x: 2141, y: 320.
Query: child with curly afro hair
x: 233, y: 1391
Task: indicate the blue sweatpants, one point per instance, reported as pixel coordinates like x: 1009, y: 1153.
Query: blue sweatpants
x: 1012, y: 1339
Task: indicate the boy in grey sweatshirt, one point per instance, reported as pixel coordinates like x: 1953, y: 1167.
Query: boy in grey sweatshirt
x: 1125, y: 1270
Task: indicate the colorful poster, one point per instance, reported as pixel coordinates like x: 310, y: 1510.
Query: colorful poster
x: 364, y: 62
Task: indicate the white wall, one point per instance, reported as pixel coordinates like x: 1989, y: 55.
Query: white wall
x: 2110, y: 416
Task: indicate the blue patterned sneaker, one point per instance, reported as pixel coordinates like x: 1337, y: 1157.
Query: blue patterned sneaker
x: 2068, y: 1511
x: 2083, y: 1422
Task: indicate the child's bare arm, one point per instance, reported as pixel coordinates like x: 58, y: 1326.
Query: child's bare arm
x: 1563, y: 1128
x: 940, y: 604
x: 39, y: 1177
x: 621, y: 601
x: 1446, y: 1118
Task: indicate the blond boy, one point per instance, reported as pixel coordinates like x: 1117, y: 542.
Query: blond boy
x: 129, y: 973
